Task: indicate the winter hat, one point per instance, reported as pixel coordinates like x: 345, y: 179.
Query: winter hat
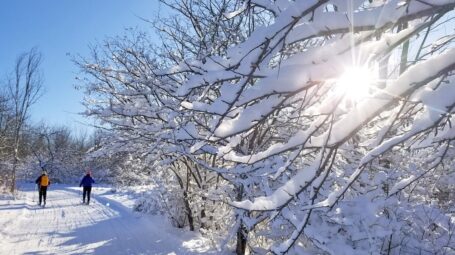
x: 44, y: 172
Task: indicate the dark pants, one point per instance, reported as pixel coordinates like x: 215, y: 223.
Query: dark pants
x: 42, y: 194
x: 87, y: 191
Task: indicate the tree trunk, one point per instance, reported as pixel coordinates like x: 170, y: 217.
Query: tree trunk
x: 189, y: 213
x: 185, y: 188
x: 241, y: 239
x: 242, y: 231
x: 15, y: 162
x: 13, y: 177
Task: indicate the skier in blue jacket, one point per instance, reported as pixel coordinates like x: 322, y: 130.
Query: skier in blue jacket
x: 86, y: 183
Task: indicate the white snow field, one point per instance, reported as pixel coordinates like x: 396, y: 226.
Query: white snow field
x: 106, y: 226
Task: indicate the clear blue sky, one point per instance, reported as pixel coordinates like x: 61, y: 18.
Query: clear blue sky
x: 61, y: 28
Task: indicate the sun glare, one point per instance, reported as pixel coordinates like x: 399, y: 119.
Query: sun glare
x: 355, y: 83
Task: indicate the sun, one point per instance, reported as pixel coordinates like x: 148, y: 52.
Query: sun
x: 355, y: 83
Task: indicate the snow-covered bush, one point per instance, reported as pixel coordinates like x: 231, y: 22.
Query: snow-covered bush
x: 157, y: 201
x: 150, y: 202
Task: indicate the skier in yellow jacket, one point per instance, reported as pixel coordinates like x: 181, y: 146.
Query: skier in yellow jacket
x: 43, y: 182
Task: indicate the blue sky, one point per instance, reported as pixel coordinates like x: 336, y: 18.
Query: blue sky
x: 61, y: 29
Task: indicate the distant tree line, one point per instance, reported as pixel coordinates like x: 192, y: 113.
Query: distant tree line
x: 27, y: 148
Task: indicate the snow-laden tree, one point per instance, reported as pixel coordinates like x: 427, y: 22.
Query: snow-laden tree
x: 6, y: 117
x: 23, y: 89
x: 320, y: 165
x: 132, y: 89
x: 326, y: 129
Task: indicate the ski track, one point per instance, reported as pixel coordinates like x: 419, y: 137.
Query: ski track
x: 65, y: 226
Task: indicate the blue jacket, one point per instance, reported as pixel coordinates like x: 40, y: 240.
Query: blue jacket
x: 87, y: 181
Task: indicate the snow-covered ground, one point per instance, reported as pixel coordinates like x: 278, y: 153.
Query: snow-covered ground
x: 106, y: 226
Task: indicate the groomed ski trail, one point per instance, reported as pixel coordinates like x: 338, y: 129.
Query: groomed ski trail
x: 65, y: 226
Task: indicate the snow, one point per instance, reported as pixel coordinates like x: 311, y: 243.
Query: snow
x: 231, y: 15
x: 437, y: 103
x: 283, y: 194
x: 401, y: 184
x: 106, y: 226
x: 410, y: 81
